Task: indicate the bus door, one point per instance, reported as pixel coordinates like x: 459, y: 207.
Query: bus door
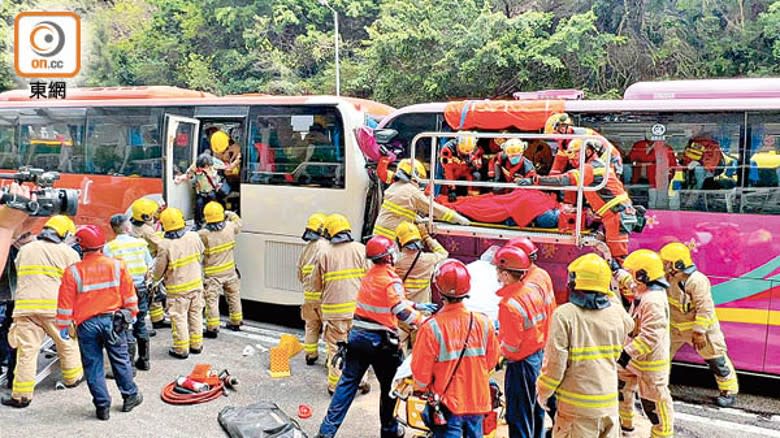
x: 181, y: 149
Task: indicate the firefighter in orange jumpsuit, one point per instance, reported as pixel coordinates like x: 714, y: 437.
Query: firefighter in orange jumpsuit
x: 461, y: 159
x: 452, y: 359
x: 644, y: 361
x: 143, y: 219
x: 98, y: 297
x: 611, y: 203
x: 694, y: 321
x: 310, y: 311
x: 373, y: 340
x: 40, y: 266
x: 524, y: 314
x: 561, y: 123
x: 580, y: 366
x: 511, y: 164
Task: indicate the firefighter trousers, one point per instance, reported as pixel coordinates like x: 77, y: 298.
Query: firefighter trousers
x: 26, y: 335
x: 232, y: 289
x: 335, y: 331
x: 575, y: 426
x: 654, y: 394
x: 156, y: 311
x: 311, y: 314
x: 715, y: 354
x: 186, y: 311
x: 615, y: 234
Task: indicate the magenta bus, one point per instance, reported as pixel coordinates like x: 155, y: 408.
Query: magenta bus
x: 725, y: 209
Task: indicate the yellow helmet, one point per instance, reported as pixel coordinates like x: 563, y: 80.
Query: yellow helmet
x: 645, y: 265
x: 514, y: 146
x: 591, y: 273
x: 172, y: 219
x: 214, y: 213
x: 678, y: 255
x: 219, y: 142
x: 554, y: 121
x: 337, y: 223
x: 406, y: 164
x: 694, y: 151
x: 467, y: 143
x: 407, y: 233
x: 316, y: 222
x: 143, y: 209
x: 62, y: 225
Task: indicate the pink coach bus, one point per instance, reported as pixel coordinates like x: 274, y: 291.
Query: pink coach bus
x: 703, y: 157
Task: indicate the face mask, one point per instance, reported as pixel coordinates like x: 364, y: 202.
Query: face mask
x: 514, y: 160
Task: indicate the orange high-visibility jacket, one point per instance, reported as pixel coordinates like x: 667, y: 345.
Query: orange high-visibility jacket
x: 524, y: 320
x: 380, y: 301
x: 95, y: 285
x: 539, y: 277
x: 436, y: 352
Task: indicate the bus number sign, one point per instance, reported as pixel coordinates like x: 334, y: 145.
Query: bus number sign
x: 658, y: 132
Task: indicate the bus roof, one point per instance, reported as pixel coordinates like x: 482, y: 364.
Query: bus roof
x: 748, y: 88
x: 108, y: 93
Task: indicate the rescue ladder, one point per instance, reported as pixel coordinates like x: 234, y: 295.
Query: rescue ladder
x: 578, y: 238
x: 46, y: 360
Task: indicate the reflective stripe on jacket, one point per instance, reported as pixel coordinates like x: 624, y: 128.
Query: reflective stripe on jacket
x: 134, y: 252
x: 649, y: 344
x: 305, y: 268
x: 219, y: 260
x: 436, y: 351
x: 418, y: 282
x: 39, y: 267
x: 605, y: 200
x: 381, y: 299
x: 152, y: 237
x: 178, y: 261
x: 337, y: 273
x: 403, y: 201
x: 691, y: 305
x: 524, y: 318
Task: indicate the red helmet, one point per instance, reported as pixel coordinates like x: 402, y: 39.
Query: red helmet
x: 380, y: 249
x: 452, y: 279
x: 511, y: 258
x: 90, y: 237
x: 526, y: 245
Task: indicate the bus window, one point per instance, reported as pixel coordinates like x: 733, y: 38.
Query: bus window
x: 296, y: 145
x: 53, y: 138
x: 411, y: 124
x: 124, y: 141
x: 677, y: 161
x: 9, y: 152
x: 762, y: 185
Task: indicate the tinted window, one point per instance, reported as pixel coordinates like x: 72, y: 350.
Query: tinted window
x: 52, y: 139
x: 762, y: 177
x: 9, y: 150
x: 124, y: 141
x: 408, y: 126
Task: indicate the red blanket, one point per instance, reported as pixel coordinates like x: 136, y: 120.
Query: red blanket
x: 520, y: 205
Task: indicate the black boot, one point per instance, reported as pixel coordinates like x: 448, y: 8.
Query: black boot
x: 161, y: 324
x: 724, y: 400
x: 132, y: 401
x: 14, y: 403
x: 103, y: 413
x: 143, y: 355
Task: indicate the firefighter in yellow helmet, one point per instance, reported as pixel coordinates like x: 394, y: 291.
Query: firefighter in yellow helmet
x: 579, y: 367
x: 40, y: 266
x: 420, y: 253
x: 561, y: 123
x: 644, y: 361
x: 337, y: 273
x: 404, y: 201
x: 228, y: 151
x: 219, y: 267
x: 178, y: 265
x: 144, y: 221
x: 461, y: 159
x: 694, y: 321
x: 311, y: 314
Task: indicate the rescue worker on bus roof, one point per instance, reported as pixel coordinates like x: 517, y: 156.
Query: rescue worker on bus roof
x: 461, y: 159
x: 373, y: 339
x: 178, y: 265
x: 98, y: 298
x: 611, y: 203
x: 143, y: 220
x: 644, y: 361
x: 419, y: 255
x: 580, y: 358
x: 524, y: 314
x: 694, y: 321
x: 451, y: 361
x: 404, y: 200
x: 135, y: 253
x: 337, y: 273
x: 39, y: 268
x: 511, y: 164
x: 311, y: 313
x: 219, y: 267
x: 561, y: 123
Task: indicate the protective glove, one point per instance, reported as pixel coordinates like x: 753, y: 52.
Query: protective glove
x: 64, y: 333
x: 452, y: 197
x: 426, y: 307
x: 477, y: 175
x: 524, y: 181
x: 699, y: 340
x: 460, y: 220
x: 423, y: 231
x: 625, y: 282
x: 623, y: 359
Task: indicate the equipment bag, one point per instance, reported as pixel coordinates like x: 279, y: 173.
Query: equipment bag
x: 260, y: 420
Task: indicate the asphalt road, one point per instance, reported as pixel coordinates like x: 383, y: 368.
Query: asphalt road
x: 70, y: 413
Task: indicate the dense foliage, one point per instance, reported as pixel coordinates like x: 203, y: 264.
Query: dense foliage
x: 404, y: 51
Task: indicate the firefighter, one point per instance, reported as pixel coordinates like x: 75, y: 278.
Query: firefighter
x: 373, y: 340
x: 561, y: 123
x: 219, y: 267
x: 536, y: 275
x: 694, y: 321
x: 415, y: 267
x: 461, y: 159
x: 98, y: 297
x: 314, y: 236
x: 453, y: 357
x: 644, y: 361
x: 510, y: 164
x: 39, y: 268
x: 580, y: 367
x: 135, y: 253
x: 523, y: 317
x: 404, y: 200
x: 143, y: 220
x: 337, y: 273
x: 178, y: 265
x: 611, y: 203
